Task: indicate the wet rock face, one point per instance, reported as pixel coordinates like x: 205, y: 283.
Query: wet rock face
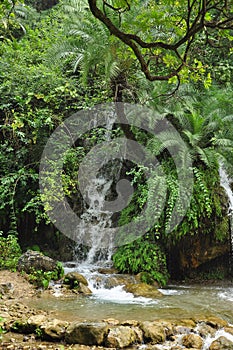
x: 192, y: 253
x: 33, y: 261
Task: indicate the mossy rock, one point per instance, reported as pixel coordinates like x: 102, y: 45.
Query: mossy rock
x: 73, y: 279
x: 143, y: 290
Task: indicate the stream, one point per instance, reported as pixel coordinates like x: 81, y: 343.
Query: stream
x: 178, y: 301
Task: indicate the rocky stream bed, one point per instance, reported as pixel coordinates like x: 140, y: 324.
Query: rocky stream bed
x: 29, y: 328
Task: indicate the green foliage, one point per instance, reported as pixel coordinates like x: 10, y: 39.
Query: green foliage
x: 1, y: 327
x: 35, y: 97
x: 38, y: 332
x: 10, y: 252
x: 142, y: 256
x: 169, y: 40
x: 42, y: 278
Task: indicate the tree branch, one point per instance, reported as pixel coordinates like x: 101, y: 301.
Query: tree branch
x: 195, y: 23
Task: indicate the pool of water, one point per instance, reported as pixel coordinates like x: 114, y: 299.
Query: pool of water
x: 177, y: 302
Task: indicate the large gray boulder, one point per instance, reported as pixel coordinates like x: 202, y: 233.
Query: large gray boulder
x: 34, y: 261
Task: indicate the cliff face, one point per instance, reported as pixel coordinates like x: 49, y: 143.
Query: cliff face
x: 196, y: 253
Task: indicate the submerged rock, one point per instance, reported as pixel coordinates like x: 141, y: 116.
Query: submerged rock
x: 86, y: 333
x: 143, y: 290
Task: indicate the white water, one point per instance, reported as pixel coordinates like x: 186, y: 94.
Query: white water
x: 220, y: 333
x: 225, y: 182
x: 95, y: 221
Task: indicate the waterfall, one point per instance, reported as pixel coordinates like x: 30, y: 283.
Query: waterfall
x: 96, y: 219
x: 225, y: 182
x: 94, y: 230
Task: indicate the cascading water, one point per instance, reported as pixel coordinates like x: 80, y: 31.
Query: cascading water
x: 95, y: 225
x: 225, y: 182
x: 97, y: 218
x: 94, y: 221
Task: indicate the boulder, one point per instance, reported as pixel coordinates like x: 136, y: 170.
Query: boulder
x: 216, y: 322
x: 154, y: 332
x: 84, y: 289
x: 86, y: 333
x: 77, y: 282
x: 192, y: 341
x: 108, y: 271
x: 36, y: 321
x: 54, y: 330
x: 74, y: 278
x: 204, y: 330
x: 143, y: 290
x: 120, y: 337
x: 221, y: 343
x: 117, y: 280
x: 145, y: 277
x: 33, y: 261
x: 112, y: 321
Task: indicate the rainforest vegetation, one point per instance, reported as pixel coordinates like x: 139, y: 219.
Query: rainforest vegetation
x: 60, y: 57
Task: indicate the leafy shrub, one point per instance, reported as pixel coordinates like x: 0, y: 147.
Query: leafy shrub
x: 42, y: 278
x: 142, y: 256
x: 10, y: 252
